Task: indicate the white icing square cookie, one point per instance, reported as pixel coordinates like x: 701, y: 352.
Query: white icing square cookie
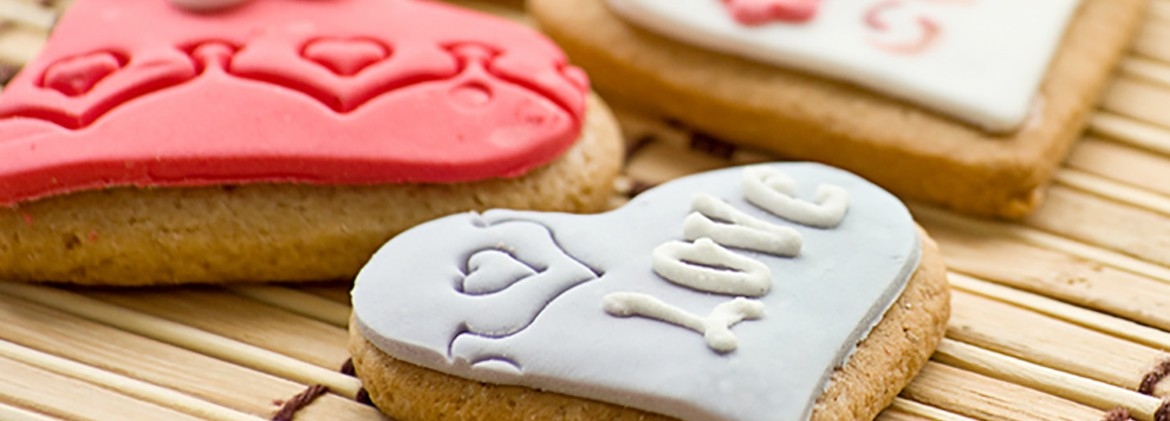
x: 970, y: 104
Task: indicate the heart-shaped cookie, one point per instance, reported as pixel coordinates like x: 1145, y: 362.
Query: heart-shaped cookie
x: 318, y: 92
x: 937, y: 53
x: 181, y: 141
x: 729, y: 295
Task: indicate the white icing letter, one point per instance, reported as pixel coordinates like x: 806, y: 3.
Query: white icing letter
x: 716, y: 327
x: 707, y: 266
x: 742, y: 231
x: 772, y: 191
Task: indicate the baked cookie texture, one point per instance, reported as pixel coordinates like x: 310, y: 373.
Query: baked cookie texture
x: 913, y: 152
x: 883, y: 363
x: 274, y: 232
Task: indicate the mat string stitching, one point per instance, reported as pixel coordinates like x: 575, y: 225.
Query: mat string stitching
x: 363, y: 397
x: 1117, y: 414
x: 1156, y: 375
x: 298, y: 402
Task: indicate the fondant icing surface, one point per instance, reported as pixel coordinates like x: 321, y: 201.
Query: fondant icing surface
x: 575, y: 303
x: 979, y: 61
x: 147, y: 93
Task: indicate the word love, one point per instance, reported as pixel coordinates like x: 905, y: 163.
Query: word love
x: 706, y: 264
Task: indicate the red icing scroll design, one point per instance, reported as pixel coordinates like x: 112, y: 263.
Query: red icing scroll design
x: 325, y: 91
x: 899, y: 27
x: 759, y: 12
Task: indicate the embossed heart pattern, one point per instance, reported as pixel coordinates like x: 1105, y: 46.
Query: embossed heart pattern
x: 728, y: 295
x: 145, y: 93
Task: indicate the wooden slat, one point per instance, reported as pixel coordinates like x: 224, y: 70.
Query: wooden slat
x: 1069, y: 278
x: 907, y: 410
x: 1045, y: 341
x: 1132, y: 132
x: 27, y: 14
x: 1151, y: 41
x: 12, y: 413
x: 1113, y: 191
x: 338, y: 293
x: 94, y: 344
x: 302, y: 303
x: 186, y: 337
x: 19, y: 45
x: 992, y: 230
x: 1138, y: 100
x: 1122, y: 229
x: 138, y: 389
x: 1150, y: 71
x: 985, y: 398
x: 1121, y: 163
x: 71, y: 399
x: 241, y: 319
x: 1100, y: 322
x: 658, y: 163
x: 1159, y: 12
x: 1068, y: 386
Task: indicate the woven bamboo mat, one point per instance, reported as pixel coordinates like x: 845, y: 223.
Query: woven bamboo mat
x: 1062, y: 316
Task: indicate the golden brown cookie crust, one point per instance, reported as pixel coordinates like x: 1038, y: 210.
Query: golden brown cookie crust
x: 275, y: 232
x: 902, y: 147
x: 881, y: 366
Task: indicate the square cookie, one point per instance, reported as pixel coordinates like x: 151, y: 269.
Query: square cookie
x: 876, y: 123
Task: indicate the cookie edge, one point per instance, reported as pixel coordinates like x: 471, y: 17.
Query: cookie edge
x: 31, y: 249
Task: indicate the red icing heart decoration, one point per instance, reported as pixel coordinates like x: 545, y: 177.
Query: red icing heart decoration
x: 345, y: 57
x: 77, y: 75
x: 758, y: 12
x: 145, y: 93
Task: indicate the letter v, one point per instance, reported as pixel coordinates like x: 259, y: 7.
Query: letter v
x: 706, y: 266
x: 741, y: 230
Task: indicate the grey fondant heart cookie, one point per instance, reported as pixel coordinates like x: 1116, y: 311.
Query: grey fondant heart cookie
x: 728, y: 295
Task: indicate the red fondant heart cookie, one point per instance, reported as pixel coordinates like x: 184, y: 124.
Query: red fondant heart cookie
x: 146, y: 93
x: 180, y: 141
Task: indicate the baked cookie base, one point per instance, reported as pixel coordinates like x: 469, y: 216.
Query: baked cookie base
x: 881, y: 366
x: 275, y: 232
x: 907, y: 150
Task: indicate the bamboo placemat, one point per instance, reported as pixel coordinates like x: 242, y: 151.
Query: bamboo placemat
x: 1062, y: 316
